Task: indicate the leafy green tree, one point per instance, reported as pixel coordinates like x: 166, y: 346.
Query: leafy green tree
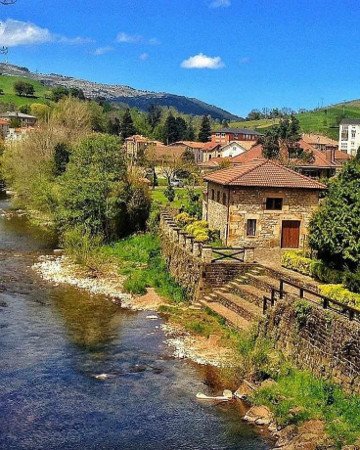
x: 61, y: 158
x: 205, y: 129
x: 334, y: 229
x: 181, y: 128
x: 23, y: 88
x: 190, y: 132
x: 270, y: 144
x: 170, y: 193
x: 77, y: 93
x: 15, y: 122
x: 59, y: 92
x: 25, y: 109
x: 127, y: 125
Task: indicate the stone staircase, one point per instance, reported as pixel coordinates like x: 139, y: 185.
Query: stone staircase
x: 240, y: 301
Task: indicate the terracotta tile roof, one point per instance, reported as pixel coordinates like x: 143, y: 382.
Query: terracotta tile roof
x: 167, y: 151
x: 4, y: 122
x: 342, y: 156
x: 191, y: 144
x: 209, y: 146
x: 263, y: 173
x: 312, y: 138
x: 254, y: 152
x: 214, y: 162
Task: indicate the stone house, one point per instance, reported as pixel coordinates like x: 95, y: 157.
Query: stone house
x: 261, y: 204
x: 26, y: 120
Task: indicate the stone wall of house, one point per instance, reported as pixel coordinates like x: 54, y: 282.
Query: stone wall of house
x: 249, y: 203
x: 190, y: 262
x: 215, y: 211
x: 321, y: 341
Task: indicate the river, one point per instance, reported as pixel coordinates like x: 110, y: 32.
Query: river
x: 55, y: 340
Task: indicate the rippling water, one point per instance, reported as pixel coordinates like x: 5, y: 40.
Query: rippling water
x: 54, y: 340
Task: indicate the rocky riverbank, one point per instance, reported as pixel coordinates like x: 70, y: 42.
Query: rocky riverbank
x: 62, y: 270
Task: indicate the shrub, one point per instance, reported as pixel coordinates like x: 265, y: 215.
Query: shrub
x: 295, y: 260
x: 170, y: 193
x: 184, y: 219
x: 352, y: 281
x: 302, y: 311
x: 339, y: 293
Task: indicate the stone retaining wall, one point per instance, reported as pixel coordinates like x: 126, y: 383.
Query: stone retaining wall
x: 321, y: 341
x: 189, y: 261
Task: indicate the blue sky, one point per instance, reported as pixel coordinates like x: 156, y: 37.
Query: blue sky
x: 236, y: 54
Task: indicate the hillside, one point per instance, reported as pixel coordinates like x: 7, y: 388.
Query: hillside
x: 7, y: 83
x: 115, y: 93
x: 323, y: 121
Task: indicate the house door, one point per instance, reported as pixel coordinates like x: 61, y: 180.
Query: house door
x: 290, y: 234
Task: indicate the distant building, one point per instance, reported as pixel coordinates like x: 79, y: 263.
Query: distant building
x: 319, y: 142
x: 136, y: 146
x: 349, y: 136
x: 25, y: 119
x: 226, y: 135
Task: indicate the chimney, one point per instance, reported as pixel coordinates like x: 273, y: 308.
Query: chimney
x: 330, y: 153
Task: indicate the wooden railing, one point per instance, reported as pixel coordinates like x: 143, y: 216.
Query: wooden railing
x: 226, y: 253
x: 327, y: 303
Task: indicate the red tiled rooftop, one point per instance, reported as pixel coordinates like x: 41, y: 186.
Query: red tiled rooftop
x: 263, y: 173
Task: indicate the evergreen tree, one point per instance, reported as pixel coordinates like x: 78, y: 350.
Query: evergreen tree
x: 190, y: 133
x: 154, y: 116
x: 334, y: 229
x: 127, y: 125
x: 205, y: 129
x: 170, y: 130
x: 181, y: 129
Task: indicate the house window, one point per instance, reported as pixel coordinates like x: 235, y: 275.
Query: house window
x: 218, y: 196
x: 251, y: 227
x: 353, y: 134
x: 274, y: 203
x: 224, y: 198
x: 212, y: 194
x: 223, y: 134
x: 217, y: 134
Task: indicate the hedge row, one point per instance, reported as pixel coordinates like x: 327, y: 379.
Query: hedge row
x: 294, y: 260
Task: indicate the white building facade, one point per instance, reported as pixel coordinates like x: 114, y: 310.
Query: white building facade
x: 349, y: 136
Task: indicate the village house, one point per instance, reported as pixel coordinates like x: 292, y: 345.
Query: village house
x: 227, y: 135
x: 136, y: 146
x: 349, y: 136
x: 320, y: 142
x: 25, y: 119
x: 302, y: 157
x: 261, y: 204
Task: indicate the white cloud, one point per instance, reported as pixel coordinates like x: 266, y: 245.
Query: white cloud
x: 14, y: 33
x: 129, y: 38
x: 144, y: 56
x: 220, y: 3
x: 202, y: 61
x: 126, y: 38
x: 102, y: 50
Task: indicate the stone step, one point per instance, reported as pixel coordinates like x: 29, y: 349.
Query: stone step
x: 263, y: 282
x: 247, y: 292
x: 245, y: 309
x: 231, y: 318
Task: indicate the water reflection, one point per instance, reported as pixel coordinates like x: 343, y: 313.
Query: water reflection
x: 91, y: 322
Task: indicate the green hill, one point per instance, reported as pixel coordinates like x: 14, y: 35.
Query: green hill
x: 7, y: 85
x: 323, y: 121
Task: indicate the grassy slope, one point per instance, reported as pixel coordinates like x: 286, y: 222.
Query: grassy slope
x: 324, y: 121
x: 7, y: 83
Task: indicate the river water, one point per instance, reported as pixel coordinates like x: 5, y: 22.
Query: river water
x: 55, y: 340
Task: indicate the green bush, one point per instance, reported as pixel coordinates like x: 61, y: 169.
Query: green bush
x: 302, y: 311
x: 294, y: 260
x: 339, y: 293
x: 184, y: 219
x: 352, y: 281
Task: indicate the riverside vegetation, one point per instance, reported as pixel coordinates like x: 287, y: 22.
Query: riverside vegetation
x: 75, y: 179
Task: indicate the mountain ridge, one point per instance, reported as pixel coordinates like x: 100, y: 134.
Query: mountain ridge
x: 118, y: 93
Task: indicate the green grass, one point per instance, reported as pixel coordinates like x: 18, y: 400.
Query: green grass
x: 323, y: 121
x: 139, y: 258
x: 313, y: 398
x: 158, y: 196
x: 7, y: 83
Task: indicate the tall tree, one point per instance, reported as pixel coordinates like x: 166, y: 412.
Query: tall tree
x: 205, y: 129
x: 334, y: 229
x: 170, y: 129
x: 154, y: 116
x: 127, y: 125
